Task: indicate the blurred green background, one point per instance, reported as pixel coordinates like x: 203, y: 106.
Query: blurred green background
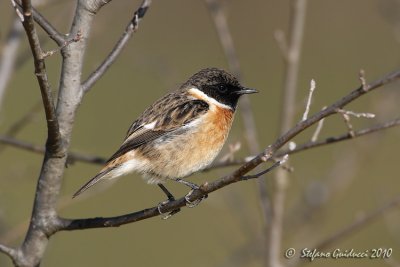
x: 330, y: 188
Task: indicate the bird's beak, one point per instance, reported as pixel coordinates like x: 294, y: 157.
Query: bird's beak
x: 244, y: 91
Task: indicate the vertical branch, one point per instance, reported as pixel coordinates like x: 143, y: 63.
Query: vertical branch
x: 226, y: 41
x: 292, y: 60
x: 53, y: 138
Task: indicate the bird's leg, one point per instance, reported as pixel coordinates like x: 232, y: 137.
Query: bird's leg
x: 191, y: 204
x: 166, y: 192
x: 170, y: 198
x: 187, y: 183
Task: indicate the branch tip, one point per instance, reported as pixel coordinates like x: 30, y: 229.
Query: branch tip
x: 292, y: 145
x: 310, y: 95
x: 361, y: 76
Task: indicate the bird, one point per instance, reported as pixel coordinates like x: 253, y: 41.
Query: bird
x: 179, y: 134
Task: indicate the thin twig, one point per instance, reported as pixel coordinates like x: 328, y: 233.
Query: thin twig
x: 209, y: 187
x: 275, y: 165
x: 132, y: 27
x: 357, y: 114
x: 77, y: 38
x: 292, y: 60
x: 361, y: 76
x: 343, y: 137
x: 12, y: 253
x: 72, y: 156
x: 54, y: 136
x: 45, y: 25
x: 349, y: 126
x: 310, y: 94
x: 17, y: 11
x: 346, y: 117
x: 317, y: 131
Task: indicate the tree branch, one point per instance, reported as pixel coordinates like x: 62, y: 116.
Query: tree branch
x: 291, y: 55
x: 55, y: 35
x: 236, y: 176
x: 12, y: 253
x: 343, y: 137
x: 72, y: 156
x: 54, y: 136
x: 132, y: 27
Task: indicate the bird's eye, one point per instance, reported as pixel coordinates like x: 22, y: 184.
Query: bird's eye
x: 222, y: 88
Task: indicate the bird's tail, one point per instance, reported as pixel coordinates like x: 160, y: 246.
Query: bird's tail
x: 101, y: 175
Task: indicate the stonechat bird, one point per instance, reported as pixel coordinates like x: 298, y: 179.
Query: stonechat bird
x: 179, y: 134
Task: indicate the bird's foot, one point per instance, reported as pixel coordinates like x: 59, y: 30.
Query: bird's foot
x: 170, y: 198
x: 168, y: 215
x: 192, y: 204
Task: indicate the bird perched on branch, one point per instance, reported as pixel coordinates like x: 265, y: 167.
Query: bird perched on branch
x: 179, y: 134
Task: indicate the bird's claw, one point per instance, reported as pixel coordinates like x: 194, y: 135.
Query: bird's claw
x: 192, y: 204
x: 168, y: 215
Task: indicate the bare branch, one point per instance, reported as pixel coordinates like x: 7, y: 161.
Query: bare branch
x: 349, y: 126
x: 296, y: 30
x: 17, y: 11
x: 275, y: 165
x: 310, y: 94
x: 132, y: 27
x: 357, y: 114
x: 317, y: 131
x: 343, y: 137
x: 361, y: 76
x: 72, y: 156
x: 292, y: 60
x: 54, y: 137
x: 12, y: 253
x: 77, y: 38
x: 44, y: 24
x: 346, y: 117
x: 209, y: 187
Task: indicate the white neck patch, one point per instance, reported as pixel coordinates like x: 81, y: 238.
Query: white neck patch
x: 200, y: 95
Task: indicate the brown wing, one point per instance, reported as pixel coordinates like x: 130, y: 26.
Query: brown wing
x: 166, y: 121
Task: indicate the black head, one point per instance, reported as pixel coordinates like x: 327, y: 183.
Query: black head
x: 218, y: 84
